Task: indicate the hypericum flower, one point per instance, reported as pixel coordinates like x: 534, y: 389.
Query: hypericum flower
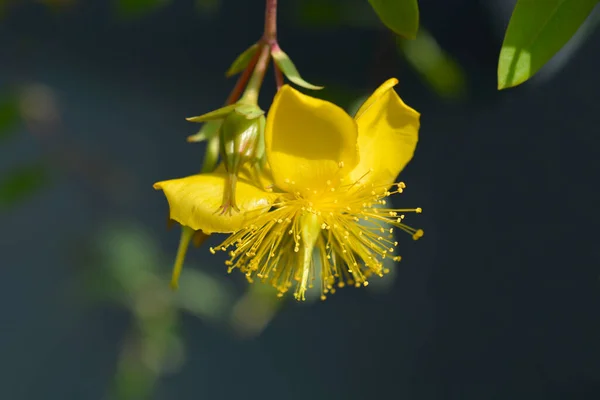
x: 331, y: 176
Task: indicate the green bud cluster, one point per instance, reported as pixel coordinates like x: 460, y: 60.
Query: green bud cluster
x: 241, y: 130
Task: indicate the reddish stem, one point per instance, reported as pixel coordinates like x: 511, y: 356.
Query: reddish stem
x: 278, y: 76
x: 238, y: 89
x: 270, y: 34
x: 269, y: 38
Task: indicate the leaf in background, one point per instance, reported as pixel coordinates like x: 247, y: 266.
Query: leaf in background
x: 253, y: 312
x: 57, y: 5
x: 332, y: 14
x: 208, y: 7
x: 355, y: 105
x: 401, y: 16
x: 536, y: 31
x: 9, y: 116
x: 204, y: 296
x: 319, y: 12
x: 138, y: 8
x: 439, y: 70
x: 21, y: 183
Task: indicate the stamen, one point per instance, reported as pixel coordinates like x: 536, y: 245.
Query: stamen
x: 350, y: 228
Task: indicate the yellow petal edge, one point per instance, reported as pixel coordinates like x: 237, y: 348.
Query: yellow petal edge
x: 388, y: 135
x: 194, y: 202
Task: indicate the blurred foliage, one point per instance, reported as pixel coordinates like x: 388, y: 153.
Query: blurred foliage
x: 437, y: 68
x: 125, y: 267
x: 20, y: 183
x: 138, y: 8
x: 400, y: 16
x: 536, y: 32
x: 208, y: 7
x: 9, y: 114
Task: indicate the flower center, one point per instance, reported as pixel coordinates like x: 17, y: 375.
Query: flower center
x: 342, y: 236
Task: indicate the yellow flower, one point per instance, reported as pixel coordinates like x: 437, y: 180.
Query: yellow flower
x: 331, y: 176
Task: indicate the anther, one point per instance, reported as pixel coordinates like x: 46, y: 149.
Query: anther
x: 418, y: 234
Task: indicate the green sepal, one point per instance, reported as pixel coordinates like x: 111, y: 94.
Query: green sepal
x: 259, y: 155
x: 242, y: 61
x: 208, y: 131
x: 211, y: 155
x: 216, y: 114
x: 214, y: 119
x: 288, y: 68
x: 250, y: 111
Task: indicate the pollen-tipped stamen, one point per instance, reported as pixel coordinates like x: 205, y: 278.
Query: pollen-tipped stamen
x: 350, y: 227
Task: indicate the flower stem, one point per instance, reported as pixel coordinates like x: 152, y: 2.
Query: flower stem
x: 251, y: 93
x: 278, y: 76
x: 186, y: 235
x: 270, y: 34
x: 252, y: 77
x: 268, y: 40
x: 242, y: 81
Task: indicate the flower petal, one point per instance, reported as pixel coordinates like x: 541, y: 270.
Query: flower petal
x: 308, y: 142
x: 387, y: 136
x: 195, y: 200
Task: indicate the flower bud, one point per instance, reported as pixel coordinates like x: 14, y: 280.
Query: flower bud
x: 242, y: 141
x: 241, y: 128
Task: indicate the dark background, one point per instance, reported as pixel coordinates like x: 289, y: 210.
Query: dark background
x: 499, y: 300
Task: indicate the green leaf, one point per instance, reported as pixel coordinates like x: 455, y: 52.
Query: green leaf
x: 21, y: 183
x: 288, y: 68
x: 9, y: 116
x: 436, y: 67
x: 138, y: 8
x: 207, y: 7
x: 401, y: 16
x: 537, y: 30
x: 242, y: 61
